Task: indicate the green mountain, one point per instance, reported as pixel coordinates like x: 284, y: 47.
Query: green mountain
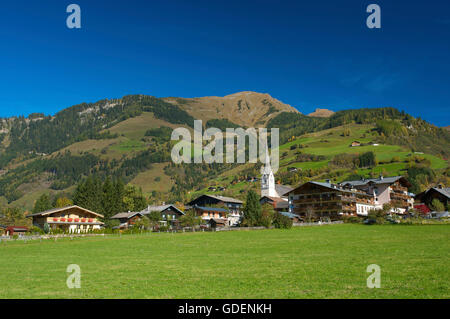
x: 129, y: 138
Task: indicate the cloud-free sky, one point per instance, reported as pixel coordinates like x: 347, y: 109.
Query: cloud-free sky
x: 308, y: 54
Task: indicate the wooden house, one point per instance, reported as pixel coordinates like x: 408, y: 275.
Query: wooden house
x: 235, y: 206
x: 315, y: 200
x: 440, y: 193
x: 218, y: 223
x: 170, y: 214
x: 72, y: 218
x: 127, y: 219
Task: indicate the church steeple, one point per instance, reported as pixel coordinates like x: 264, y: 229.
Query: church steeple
x: 267, y: 179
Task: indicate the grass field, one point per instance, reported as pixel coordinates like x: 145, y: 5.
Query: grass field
x: 303, y: 262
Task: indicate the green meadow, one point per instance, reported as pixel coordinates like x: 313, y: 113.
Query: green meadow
x: 303, y: 262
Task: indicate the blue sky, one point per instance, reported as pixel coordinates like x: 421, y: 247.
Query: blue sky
x: 308, y: 54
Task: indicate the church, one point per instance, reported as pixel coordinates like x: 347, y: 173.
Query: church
x: 268, y: 186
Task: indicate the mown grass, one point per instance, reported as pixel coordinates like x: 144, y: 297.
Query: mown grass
x: 303, y: 262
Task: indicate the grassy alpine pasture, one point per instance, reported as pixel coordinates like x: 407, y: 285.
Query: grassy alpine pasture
x: 303, y: 262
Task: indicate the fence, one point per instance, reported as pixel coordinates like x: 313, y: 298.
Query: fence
x: 317, y: 224
x: 71, y: 236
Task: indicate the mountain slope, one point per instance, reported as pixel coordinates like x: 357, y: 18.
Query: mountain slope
x: 321, y: 113
x: 246, y: 109
x: 129, y: 138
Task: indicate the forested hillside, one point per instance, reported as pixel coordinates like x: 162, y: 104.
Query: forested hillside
x: 128, y: 140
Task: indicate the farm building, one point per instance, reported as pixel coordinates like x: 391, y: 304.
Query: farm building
x: 70, y: 218
x: 15, y: 230
x: 440, y: 193
x: 218, y: 222
x: 127, y: 219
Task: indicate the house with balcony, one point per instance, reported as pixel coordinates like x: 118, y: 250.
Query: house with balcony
x: 319, y: 200
x: 234, y: 206
x: 386, y: 190
x: 206, y: 213
x: 73, y: 219
x: 169, y: 213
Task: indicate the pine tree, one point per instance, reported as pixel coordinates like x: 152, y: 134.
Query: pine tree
x: 252, y: 209
x: 108, y: 197
x: 119, y: 193
x: 43, y: 203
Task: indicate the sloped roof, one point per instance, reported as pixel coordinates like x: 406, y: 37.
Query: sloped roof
x: 379, y: 180
x: 443, y: 191
x: 282, y: 204
x: 274, y: 199
x: 160, y: 208
x: 219, y: 198
x: 334, y: 187
x: 56, y: 210
x: 282, y: 189
x: 219, y: 220
x: 125, y: 215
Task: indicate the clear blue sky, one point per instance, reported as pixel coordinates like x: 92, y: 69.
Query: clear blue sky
x: 305, y: 53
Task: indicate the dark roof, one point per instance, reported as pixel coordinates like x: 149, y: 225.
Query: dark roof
x: 219, y: 198
x: 218, y: 220
x: 273, y: 199
x: 126, y: 215
x: 282, y: 204
x: 17, y: 228
x: 443, y: 191
x: 379, y: 180
x: 56, y: 210
x: 335, y: 188
x: 282, y: 189
x: 160, y: 208
x: 217, y: 209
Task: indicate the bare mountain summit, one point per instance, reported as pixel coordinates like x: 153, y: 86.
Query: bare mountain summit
x: 243, y: 108
x: 321, y: 113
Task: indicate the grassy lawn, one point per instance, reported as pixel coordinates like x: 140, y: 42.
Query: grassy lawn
x: 304, y: 262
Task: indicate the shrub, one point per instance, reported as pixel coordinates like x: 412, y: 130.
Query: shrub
x: 351, y: 219
x: 437, y: 205
x: 281, y: 221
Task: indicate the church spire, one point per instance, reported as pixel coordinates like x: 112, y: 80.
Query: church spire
x: 267, y: 179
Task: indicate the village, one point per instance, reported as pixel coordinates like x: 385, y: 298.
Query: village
x: 310, y: 203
